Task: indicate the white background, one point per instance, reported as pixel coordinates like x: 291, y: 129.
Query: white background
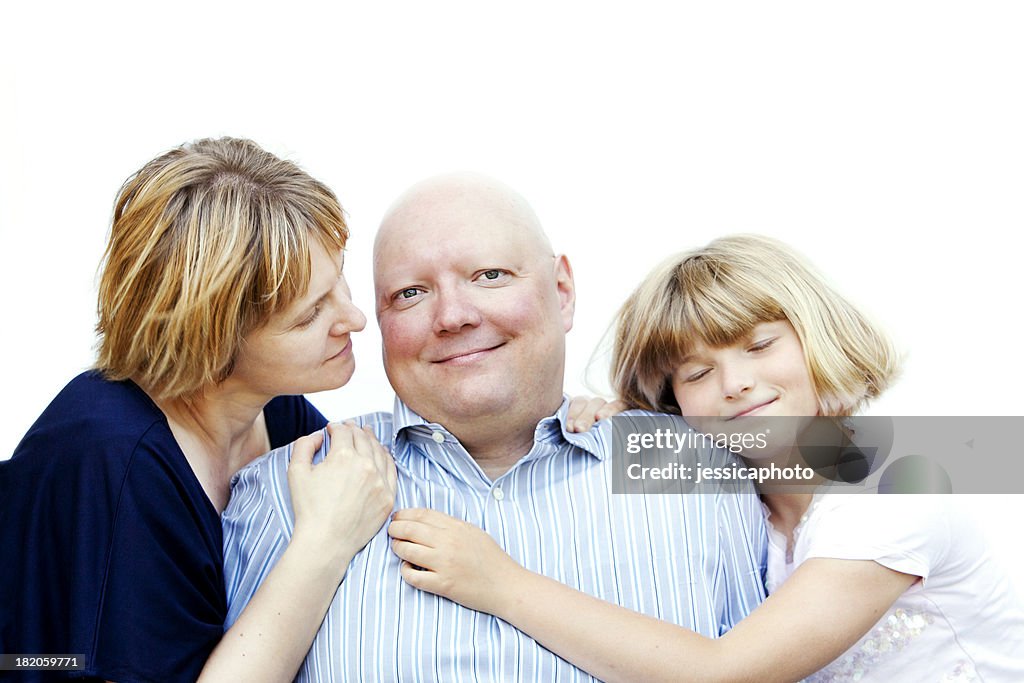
x: 882, y: 139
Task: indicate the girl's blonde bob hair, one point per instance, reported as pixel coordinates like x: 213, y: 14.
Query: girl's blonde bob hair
x: 717, y: 294
x: 207, y: 241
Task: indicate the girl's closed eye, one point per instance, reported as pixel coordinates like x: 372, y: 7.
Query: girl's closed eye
x: 762, y: 344
x: 696, y: 375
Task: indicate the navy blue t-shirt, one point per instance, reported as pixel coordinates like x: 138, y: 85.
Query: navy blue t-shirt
x: 109, y: 547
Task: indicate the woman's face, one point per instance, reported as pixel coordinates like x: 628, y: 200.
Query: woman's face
x: 307, y: 346
x: 762, y: 375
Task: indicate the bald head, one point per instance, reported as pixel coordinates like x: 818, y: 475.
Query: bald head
x: 454, y: 197
x: 473, y: 308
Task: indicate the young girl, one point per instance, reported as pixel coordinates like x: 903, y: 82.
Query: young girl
x: 863, y: 587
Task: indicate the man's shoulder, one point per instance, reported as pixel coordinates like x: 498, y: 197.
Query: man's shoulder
x: 639, y: 421
x: 669, y: 418
x: 383, y: 424
x: 270, y: 467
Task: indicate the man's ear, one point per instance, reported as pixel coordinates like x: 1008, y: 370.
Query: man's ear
x: 566, y: 287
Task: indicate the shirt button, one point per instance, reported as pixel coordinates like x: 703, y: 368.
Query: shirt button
x: 498, y: 494
x: 438, y: 437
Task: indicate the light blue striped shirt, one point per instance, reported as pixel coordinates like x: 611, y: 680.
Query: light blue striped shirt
x: 695, y: 560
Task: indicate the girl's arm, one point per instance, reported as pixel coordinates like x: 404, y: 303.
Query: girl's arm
x: 339, y: 505
x: 584, y: 411
x: 823, y: 609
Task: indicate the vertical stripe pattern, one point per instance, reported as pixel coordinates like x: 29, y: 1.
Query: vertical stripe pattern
x: 696, y: 560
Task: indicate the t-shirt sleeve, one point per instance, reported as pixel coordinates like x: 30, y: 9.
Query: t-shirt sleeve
x: 906, y: 533
x: 161, y: 601
x: 112, y: 548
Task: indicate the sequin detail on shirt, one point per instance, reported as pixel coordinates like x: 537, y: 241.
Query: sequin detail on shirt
x: 887, y: 639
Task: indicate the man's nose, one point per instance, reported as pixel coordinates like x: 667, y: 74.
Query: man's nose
x: 454, y: 310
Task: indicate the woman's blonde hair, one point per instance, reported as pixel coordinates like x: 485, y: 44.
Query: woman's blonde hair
x: 717, y: 294
x: 207, y: 241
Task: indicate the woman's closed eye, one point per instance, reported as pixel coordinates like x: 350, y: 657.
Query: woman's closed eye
x: 312, y: 316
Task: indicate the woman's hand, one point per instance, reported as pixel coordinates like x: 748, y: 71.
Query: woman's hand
x: 338, y: 505
x: 453, y: 559
x: 342, y: 502
x: 584, y: 411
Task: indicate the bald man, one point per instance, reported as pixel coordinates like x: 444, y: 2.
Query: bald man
x: 473, y: 307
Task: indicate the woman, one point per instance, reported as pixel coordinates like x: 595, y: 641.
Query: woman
x: 221, y: 299
x: 883, y: 587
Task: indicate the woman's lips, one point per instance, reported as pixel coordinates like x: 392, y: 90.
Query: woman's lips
x: 345, y: 349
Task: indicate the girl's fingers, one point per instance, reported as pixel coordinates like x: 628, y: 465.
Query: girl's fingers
x: 610, y: 409
x: 426, y: 516
x: 412, y: 552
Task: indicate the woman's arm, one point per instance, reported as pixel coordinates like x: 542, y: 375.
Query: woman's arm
x: 825, y: 607
x: 339, y: 505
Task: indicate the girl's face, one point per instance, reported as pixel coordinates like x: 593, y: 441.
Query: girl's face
x: 764, y: 374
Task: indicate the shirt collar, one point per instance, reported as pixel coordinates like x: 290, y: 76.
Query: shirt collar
x: 549, y: 430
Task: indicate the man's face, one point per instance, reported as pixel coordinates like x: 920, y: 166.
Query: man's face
x: 473, y: 311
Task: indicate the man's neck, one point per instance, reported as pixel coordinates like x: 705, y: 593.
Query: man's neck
x: 498, y: 442
x: 496, y: 458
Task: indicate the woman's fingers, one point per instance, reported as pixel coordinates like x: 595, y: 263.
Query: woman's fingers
x: 391, y: 471
x: 345, y: 499
x: 380, y: 455
x: 305, y: 448
x: 341, y: 437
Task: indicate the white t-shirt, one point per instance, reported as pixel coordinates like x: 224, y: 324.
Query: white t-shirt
x: 961, y: 622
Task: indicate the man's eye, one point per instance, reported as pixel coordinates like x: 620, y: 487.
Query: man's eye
x: 492, y: 275
x: 408, y: 293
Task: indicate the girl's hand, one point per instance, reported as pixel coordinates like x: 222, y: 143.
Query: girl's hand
x: 342, y: 502
x: 453, y: 559
x: 585, y: 411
